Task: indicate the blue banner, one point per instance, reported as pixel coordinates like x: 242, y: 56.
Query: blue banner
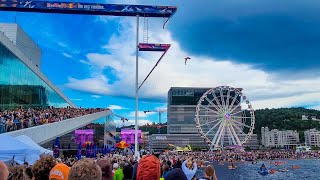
x: 56, y: 147
x: 87, y: 8
x: 79, y: 153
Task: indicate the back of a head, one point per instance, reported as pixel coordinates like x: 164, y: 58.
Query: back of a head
x: 209, y: 171
x: 42, y: 167
x: 148, y: 168
x: 165, y: 168
x: 59, y: 172
x: 127, y: 171
x: 85, y: 169
x: 156, y: 154
x: 4, y: 172
x: 176, y: 174
x: 106, y: 169
x: 18, y: 172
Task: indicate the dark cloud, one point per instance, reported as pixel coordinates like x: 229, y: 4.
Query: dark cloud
x: 271, y: 35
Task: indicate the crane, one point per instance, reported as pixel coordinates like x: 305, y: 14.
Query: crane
x: 123, y: 119
x: 159, y: 111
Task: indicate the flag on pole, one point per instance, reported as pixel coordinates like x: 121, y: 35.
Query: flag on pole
x: 56, y: 147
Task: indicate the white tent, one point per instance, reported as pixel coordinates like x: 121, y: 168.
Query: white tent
x: 13, y: 149
x: 27, y: 140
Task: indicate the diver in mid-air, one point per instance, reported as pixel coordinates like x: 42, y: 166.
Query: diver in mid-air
x: 186, y: 59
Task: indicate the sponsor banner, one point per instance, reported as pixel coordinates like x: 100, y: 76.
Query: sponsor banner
x: 161, y: 137
x: 153, y: 47
x: 87, y: 8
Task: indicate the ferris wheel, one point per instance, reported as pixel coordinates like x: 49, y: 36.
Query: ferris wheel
x: 224, y: 117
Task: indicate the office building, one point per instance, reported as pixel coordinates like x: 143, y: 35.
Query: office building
x: 279, y: 139
x: 181, y: 126
x: 22, y: 84
x: 312, y: 137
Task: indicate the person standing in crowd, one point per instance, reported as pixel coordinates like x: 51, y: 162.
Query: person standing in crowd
x: 118, y: 173
x: 59, y: 172
x: 18, y: 172
x: 85, y: 169
x: 127, y: 171
x: 165, y: 170
x: 209, y: 174
x: 135, y: 169
x: 189, y: 168
x: 149, y: 168
x: 176, y: 174
x: 42, y: 167
x: 4, y: 172
x: 106, y: 169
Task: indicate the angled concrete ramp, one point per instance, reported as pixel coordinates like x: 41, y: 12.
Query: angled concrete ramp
x: 44, y: 133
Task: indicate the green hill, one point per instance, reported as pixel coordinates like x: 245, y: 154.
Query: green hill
x: 286, y: 119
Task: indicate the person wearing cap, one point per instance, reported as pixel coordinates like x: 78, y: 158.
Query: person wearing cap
x: 118, y: 174
x: 59, y: 172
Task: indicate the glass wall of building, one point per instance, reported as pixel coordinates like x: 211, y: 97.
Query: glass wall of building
x: 109, y: 131
x: 182, y: 102
x: 21, y: 87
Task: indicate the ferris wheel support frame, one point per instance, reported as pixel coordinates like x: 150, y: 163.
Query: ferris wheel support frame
x: 230, y: 122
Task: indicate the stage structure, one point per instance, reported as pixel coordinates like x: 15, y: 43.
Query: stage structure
x: 128, y: 135
x: 97, y: 9
x: 83, y: 136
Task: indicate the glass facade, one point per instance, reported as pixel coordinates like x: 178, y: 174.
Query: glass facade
x: 21, y: 87
x: 182, y: 104
x: 109, y: 131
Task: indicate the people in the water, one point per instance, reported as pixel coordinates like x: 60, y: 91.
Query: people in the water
x: 284, y: 170
x: 232, y: 165
x: 263, y: 167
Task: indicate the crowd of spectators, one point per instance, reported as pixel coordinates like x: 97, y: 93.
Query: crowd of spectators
x: 257, y: 155
x: 119, y: 166
x: 110, y: 167
x: 11, y: 120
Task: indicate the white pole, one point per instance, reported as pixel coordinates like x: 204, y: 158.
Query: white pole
x: 136, y: 145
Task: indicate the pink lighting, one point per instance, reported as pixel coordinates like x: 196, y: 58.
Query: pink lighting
x: 84, y: 136
x: 127, y: 135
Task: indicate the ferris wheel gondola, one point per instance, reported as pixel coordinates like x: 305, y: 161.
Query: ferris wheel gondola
x: 224, y: 117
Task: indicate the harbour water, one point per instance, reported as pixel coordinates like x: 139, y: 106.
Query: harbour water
x: 309, y: 169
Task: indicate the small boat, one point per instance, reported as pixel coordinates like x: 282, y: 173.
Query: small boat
x: 272, y: 171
